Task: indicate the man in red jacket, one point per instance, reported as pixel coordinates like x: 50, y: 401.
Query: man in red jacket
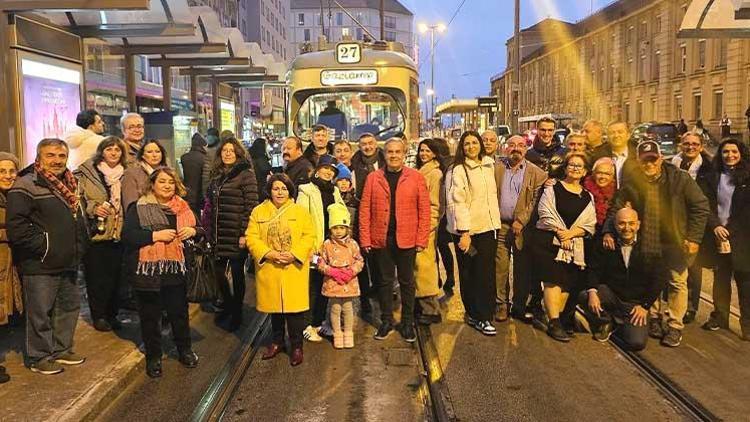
x: 395, y: 224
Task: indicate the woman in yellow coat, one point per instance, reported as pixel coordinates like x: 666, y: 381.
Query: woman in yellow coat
x: 280, y: 238
x: 425, y: 266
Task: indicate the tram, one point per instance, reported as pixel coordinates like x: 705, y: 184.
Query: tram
x: 353, y: 88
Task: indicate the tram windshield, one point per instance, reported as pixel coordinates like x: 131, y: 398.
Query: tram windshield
x: 352, y: 113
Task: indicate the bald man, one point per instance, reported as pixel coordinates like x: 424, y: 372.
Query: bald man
x: 490, y: 144
x: 621, y: 285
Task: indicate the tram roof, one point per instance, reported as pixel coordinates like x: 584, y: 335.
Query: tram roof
x: 370, y: 58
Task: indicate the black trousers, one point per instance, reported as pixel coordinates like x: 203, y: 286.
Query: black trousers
x: 102, y: 272
x: 695, y: 284
x: 390, y: 260
x: 234, y: 297
x: 369, y: 275
x: 444, y: 240
x: 294, y: 324
x: 318, y: 302
x: 172, y: 299
x: 722, y: 293
x: 617, y: 312
x: 523, y: 284
x: 477, y: 275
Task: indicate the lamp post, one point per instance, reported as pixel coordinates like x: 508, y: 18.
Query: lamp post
x: 423, y: 27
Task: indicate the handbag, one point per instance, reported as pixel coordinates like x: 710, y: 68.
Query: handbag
x: 202, y: 286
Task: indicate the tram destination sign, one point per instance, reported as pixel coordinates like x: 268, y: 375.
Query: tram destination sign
x: 349, y: 77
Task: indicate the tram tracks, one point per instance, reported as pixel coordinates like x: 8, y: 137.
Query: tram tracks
x: 438, y: 403
x: 215, y: 400
x: 671, y: 390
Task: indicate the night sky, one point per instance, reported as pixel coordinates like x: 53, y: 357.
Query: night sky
x: 472, y: 49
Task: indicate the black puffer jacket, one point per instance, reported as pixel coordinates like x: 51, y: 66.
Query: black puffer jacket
x: 232, y: 196
x: 192, y: 172
x: 548, y: 158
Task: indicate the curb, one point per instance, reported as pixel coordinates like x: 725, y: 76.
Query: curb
x: 89, y: 405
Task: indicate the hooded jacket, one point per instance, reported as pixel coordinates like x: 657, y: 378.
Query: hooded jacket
x: 82, y: 145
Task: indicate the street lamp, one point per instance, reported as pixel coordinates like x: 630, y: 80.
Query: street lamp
x: 439, y: 27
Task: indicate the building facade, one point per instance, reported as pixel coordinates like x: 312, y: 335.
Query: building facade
x: 307, y: 22
x: 265, y: 22
x: 625, y: 62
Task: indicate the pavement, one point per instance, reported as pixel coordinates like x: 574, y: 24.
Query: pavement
x: 113, y: 359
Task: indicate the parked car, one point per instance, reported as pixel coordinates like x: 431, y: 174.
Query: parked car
x: 665, y: 134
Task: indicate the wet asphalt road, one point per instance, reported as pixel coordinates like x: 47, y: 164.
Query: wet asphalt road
x: 523, y: 375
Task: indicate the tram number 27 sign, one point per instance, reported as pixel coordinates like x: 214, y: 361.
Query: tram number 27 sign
x: 348, y: 53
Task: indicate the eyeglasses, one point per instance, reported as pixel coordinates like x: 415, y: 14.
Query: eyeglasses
x: 576, y: 166
x: 131, y: 127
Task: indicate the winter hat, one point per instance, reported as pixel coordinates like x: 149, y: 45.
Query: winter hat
x: 338, y: 215
x: 6, y: 156
x: 328, y: 160
x: 344, y: 172
x: 198, y: 140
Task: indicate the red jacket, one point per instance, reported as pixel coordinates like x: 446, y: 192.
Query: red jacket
x: 412, y: 210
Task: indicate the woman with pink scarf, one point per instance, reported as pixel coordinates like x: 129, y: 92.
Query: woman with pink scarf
x: 100, y: 182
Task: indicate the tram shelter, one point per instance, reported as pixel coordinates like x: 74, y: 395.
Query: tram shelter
x: 43, y: 62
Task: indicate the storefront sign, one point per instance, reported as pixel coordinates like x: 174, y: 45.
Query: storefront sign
x: 51, y: 101
x: 349, y: 77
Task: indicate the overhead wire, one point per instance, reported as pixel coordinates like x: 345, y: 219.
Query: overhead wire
x: 458, y: 9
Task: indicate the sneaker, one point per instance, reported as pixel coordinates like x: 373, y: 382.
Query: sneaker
x: 188, y: 358
x: 604, y: 332
x: 153, y: 367
x: 471, y: 321
x: 407, y: 332
x: 711, y: 325
x: 557, y: 332
x: 655, y: 329
x: 325, y: 330
x: 70, y: 358
x: 384, y: 331
x: 485, y: 327
x: 689, y: 317
x: 311, y: 334
x: 672, y: 338
x: 46, y: 367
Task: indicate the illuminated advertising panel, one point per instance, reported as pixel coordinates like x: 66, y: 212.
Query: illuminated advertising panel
x: 51, y: 100
x: 227, y: 115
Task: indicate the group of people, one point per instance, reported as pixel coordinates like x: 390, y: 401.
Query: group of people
x: 599, y: 223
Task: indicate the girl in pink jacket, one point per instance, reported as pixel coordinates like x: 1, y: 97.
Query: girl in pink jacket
x: 340, y: 261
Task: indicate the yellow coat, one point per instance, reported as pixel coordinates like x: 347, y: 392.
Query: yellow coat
x: 281, y: 289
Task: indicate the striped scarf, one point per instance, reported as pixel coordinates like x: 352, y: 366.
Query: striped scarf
x: 67, y: 188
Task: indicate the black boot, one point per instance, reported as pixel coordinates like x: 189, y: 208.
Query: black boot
x: 153, y: 367
x: 556, y: 331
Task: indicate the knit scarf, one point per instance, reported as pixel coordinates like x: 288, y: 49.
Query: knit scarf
x: 602, y: 198
x: 160, y: 257
x: 66, y: 188
x: 112, y: 177
x: 651, y: 222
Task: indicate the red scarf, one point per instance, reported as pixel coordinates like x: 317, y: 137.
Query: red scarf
x: 67, y: 188
x: 160, y: 257
x: 602, y: 198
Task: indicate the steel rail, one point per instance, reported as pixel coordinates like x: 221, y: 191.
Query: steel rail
x: 216, y: 399
x: 686, y: 403
x: 439, y: 402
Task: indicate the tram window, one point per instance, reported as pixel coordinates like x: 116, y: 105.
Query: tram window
x: 352, y: 113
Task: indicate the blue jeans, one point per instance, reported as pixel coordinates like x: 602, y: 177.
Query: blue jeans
x: 52, y: 305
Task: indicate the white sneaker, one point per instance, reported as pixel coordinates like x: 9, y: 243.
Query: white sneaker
x: 311, y: 334
x: 325, y: 330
